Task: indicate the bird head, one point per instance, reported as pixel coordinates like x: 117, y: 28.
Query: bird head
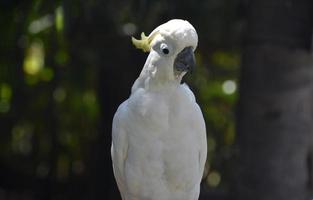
x: 171, y: 49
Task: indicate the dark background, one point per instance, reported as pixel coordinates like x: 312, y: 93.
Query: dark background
x: 66, y: 65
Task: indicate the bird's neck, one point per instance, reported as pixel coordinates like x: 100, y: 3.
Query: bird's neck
x: 156, y: 74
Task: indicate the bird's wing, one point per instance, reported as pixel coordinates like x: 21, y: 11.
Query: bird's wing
x: 200, y: 129
x: 202, y: 139
x: 119, y: 146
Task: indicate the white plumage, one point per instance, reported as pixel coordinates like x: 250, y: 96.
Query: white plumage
x: 158, y: 135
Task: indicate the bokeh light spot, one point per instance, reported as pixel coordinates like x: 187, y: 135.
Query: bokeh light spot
x: 229, y: 87
x: 40, y: 24
x: 34, y: 59
x: 213, y: 179
x: 59, y: 19
x: 5, y: 92
x: 129, y: 29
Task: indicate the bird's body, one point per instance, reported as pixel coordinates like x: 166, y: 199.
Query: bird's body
x: 159, y: 137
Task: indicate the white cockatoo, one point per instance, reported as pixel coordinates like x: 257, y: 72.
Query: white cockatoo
x: 158, y: 135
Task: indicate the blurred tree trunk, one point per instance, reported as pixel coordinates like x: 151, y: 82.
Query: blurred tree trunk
x: 274, y: 115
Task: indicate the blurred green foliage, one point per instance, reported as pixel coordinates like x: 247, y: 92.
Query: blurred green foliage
x: 49, y: 108
x: 215, y: 87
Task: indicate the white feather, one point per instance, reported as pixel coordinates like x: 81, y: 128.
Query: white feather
x: 158, y: 136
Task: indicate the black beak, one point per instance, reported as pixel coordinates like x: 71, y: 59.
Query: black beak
x: 185, y: 60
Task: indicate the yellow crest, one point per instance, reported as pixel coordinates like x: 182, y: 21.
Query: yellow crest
x: 143, y: 43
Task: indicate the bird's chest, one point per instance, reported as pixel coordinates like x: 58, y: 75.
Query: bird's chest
x: 162, y: 146
x: 160, y: 115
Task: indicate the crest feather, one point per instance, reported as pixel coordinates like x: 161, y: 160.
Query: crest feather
x: 143, y: 43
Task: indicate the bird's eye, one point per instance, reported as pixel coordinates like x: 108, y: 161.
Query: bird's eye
x: 164, y: 48
x: 165, y: 51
